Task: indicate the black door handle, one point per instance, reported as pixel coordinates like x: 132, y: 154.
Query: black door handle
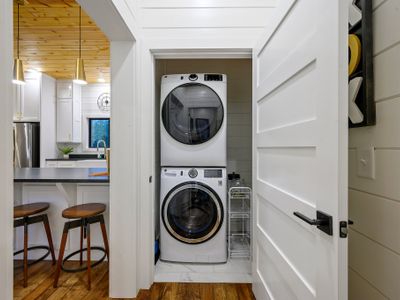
x: 323, y: 221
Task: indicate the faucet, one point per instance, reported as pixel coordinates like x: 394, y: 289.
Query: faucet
x: 105, y: 148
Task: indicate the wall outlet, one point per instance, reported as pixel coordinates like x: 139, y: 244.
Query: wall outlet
x: 366, y: 162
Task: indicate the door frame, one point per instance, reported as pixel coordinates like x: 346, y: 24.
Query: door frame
x: 151, y: 53
x: 6, y: 148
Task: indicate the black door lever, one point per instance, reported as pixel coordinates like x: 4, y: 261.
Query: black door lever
x: 323, y: 221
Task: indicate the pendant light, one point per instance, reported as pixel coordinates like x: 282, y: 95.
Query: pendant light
x: 80, y: 76
x: 18, y: 71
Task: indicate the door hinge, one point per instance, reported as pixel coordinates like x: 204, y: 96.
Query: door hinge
x: 150, y: 179
x: 343, y: 228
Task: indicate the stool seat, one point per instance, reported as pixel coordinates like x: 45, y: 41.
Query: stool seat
x: 84, y: 210
x: 26, y: 210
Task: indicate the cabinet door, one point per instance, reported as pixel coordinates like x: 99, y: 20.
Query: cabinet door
x: 64, y: 90
x: 51, y: 164
x: 64, y: 120
x: 91, y: 163
x: 17, y: 94
x: 66, y: 164
x: 31, y: 98
x: 77, y: 114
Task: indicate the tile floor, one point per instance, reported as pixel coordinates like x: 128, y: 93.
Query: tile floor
x: 235, y: 270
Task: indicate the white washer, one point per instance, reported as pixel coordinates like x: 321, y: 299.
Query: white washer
x: 193, y: 120
x: 193, y: 215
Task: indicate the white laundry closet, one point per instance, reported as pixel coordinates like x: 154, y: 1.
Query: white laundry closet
x: 239, y: 157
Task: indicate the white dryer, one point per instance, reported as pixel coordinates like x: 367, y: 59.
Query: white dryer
x: 193, y: 120
x: 193, y: 215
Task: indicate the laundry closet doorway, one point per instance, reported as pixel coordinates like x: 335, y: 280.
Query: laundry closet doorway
x: 232, y: 119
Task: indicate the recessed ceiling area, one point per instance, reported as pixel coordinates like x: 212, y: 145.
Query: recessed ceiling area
x: 49, y: 40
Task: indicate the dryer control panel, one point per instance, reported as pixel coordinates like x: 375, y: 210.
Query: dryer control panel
x: 213, y: 173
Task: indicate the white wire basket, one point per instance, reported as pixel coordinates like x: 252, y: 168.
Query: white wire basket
x: 239, y: 222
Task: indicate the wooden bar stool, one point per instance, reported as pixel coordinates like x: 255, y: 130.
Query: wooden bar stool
x: 85, y: 214
x: 25, y: 215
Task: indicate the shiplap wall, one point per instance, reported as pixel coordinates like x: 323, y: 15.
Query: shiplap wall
x: 90, y: 93
x: 374, y: 205
x: 239, y: 87
x: 210, y: 19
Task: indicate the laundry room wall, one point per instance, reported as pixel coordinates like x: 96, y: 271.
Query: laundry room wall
x: 374, y: 204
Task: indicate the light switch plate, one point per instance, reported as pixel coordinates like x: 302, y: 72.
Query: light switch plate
x: 366, y: 162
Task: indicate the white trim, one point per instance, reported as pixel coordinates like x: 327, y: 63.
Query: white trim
x: 201, y: 53
x: 148, y: 155
x: 121, y: 28
x: 6, y: 148
x: 183, y: 4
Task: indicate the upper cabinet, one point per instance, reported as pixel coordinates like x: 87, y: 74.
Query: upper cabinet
x: 69, y: 120
x: 27, y: 98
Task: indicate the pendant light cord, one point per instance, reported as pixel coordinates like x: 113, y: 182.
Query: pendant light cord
x: 80, y: 32
x: 18, y: 35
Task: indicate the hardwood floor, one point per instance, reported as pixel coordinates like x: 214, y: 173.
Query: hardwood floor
x: 72, y: 286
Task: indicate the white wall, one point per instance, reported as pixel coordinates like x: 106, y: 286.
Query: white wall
x: 89, y: 96
x: 374, y: 205
x: 90, y: 93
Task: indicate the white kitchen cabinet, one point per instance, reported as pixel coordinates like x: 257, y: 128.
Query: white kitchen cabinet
x: 91, y: 163
x: 27, y: 98
x: 69, y: 112
x: 88, y: 163
x: 66, y: 164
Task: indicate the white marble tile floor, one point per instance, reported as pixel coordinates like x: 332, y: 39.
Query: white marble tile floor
x: 235, y: 270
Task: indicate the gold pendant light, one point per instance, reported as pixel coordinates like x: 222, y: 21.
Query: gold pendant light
x: 18, y: 71
x: 80, y: 76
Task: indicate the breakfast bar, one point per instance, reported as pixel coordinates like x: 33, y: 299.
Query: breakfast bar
x: 61, y: 188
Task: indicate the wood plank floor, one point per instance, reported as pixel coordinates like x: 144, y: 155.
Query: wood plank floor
x: 72, y: 286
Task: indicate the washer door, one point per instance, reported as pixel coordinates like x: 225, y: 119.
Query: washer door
x: 192, y: 213
x: 192, y: 113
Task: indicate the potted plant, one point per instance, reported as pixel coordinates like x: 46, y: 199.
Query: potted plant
x: 66, y: 151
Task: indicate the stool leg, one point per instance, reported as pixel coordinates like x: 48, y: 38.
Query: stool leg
x: 104, y: 233
x: 81, y: 253
x: 25, y: 254
x: 88, y: 255
x: 49, y: 238
x: 61, y: 255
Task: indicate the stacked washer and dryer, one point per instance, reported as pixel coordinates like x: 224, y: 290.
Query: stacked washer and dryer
x: 193, y: 204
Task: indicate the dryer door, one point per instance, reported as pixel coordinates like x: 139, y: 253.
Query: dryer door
x: 192, y: 113
x: 192, y: 213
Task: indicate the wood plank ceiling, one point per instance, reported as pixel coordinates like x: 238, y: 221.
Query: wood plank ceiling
x: 49, y: 40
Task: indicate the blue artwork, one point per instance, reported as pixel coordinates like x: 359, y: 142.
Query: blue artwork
x: 99, y: 129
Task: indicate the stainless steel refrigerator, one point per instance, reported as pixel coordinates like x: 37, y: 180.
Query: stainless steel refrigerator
x: 26, y: 145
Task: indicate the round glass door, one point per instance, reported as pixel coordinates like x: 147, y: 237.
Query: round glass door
x: 192, y: 113
x: 192, y: 213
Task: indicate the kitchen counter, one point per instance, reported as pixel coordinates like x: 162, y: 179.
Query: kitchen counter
x: 76, y: 157
x: 59, y: 175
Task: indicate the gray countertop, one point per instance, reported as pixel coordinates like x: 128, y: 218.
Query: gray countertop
x: 70, y: 175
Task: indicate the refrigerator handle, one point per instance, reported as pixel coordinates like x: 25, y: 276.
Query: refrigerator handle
x: 17, y: 160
